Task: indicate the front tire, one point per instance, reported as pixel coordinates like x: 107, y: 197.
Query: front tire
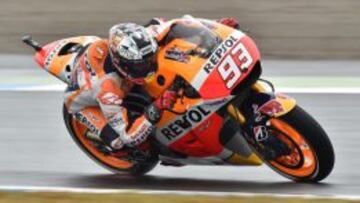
x: 312, y: 158
x: 113, y: 164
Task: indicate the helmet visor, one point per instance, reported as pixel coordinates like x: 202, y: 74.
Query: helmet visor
x: 140, y: 69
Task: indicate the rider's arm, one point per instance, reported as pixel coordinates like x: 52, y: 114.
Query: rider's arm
x: 111, y: 96
x: 129, y: 133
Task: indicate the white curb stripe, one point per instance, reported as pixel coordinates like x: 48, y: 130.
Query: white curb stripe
x: 56, y: 88
x: 170, y: 192
x: 327, y: 90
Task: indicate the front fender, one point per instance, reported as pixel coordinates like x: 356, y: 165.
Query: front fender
x: 278, y: 105
x: 270, y: 104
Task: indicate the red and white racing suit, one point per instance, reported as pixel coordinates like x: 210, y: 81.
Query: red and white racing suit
x: 96, y: 95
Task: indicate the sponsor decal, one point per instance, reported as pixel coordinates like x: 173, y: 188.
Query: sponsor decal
x: 100, y: 51
x: 185, y: 123
x: 116, y: 120
x: 258, y: 116
x: 53, y: 52
x: 219, y: 53
x: 141, y: 135
x: 177, y: 55
x: 81, y: 118
x: 88, y: 65
x: 271, y: 108
x: 227, y: 59
x: 146, y: 50
x: 260, y: 133
x: 110, y: 98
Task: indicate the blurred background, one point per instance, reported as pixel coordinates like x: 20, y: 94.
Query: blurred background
x: 309, y: 29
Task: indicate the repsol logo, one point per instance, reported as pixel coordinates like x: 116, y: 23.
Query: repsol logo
x: 141, y: 135
x: 87, y: 123
x: 185, y: 123
x: 219, y: 53
x: 88, y: 65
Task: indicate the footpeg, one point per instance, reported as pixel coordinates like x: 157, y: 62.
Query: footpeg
x: 93, y: 137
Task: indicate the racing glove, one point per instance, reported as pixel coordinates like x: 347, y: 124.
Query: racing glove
x: 166, y: 101
x: 231, y: 22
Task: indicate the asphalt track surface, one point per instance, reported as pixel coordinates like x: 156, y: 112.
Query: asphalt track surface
x: 35, y: 150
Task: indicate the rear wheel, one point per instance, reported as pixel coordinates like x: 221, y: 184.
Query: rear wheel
x: 114, y: 164
x: 312, y: 156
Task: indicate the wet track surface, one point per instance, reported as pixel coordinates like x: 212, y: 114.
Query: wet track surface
x: 36, y: 150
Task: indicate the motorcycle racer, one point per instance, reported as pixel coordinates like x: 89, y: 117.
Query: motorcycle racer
x: 226, y: 113
x: 106, y: 72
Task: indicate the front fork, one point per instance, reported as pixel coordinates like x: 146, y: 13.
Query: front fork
x: 254, y: 112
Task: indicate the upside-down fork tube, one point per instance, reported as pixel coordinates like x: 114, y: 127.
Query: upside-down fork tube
x: 238, y: 158
x: 236, y: 114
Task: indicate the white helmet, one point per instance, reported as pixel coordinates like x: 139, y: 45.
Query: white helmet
x: 133, y: 50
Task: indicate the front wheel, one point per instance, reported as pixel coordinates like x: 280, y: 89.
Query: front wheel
x: 312, y: 156
x: 114, y: 164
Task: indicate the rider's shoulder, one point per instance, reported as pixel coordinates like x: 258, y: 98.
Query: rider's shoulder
x: 95, y: 56
x: 98, y: 49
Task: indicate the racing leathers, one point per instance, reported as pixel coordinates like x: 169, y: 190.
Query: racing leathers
x: 95, y: 83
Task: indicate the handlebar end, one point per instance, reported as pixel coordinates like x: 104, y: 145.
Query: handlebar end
x: 27, y: 39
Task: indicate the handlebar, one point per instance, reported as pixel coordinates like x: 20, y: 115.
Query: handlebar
x: 29, y: 41
x: 177, y: 84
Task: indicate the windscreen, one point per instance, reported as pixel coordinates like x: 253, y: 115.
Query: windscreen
x: 194, y: 31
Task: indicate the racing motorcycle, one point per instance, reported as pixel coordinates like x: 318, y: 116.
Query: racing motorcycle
x: 226, y: 114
